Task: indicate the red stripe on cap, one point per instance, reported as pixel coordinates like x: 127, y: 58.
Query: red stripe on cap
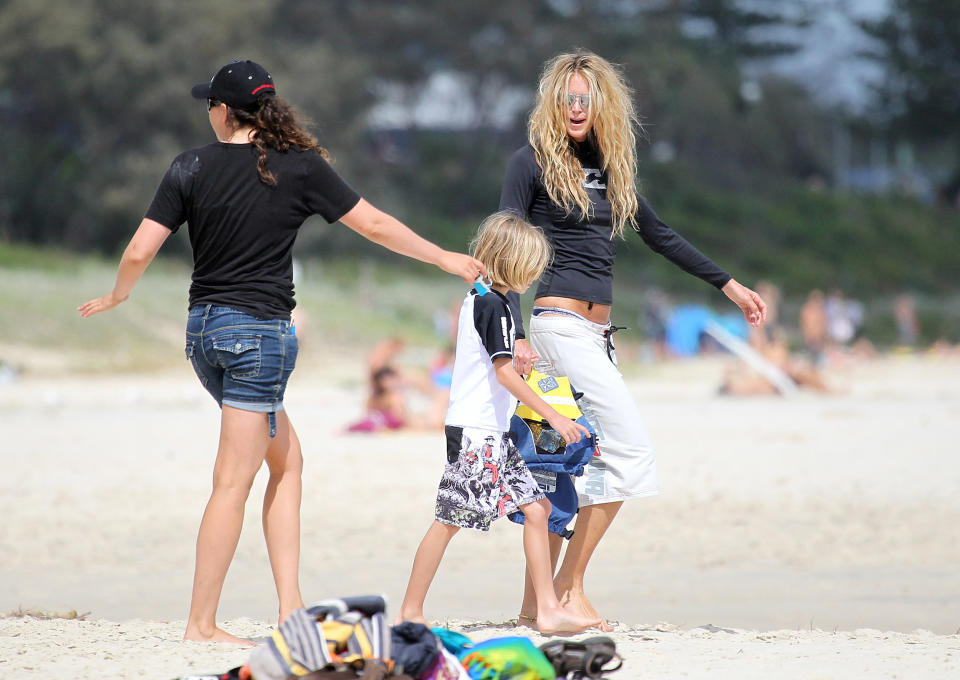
x: 263, y: 86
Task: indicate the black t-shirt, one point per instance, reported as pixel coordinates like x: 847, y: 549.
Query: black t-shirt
x: 241, y: 229
x: 584, y: 252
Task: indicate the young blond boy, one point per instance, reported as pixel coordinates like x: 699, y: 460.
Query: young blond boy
x: 485, y: 476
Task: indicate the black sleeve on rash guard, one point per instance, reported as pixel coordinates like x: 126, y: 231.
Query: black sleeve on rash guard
x: 516, y: 195
x: 513, y: 299
x: 665, y: 241
x: 492, y: 320
x: 519, y: 182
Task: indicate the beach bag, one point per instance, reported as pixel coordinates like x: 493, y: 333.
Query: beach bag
x: 348, y: 636
x: 549, y: 459
x: 545, y: 448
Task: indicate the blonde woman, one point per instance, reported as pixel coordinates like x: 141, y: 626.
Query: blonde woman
x: 576, y: 179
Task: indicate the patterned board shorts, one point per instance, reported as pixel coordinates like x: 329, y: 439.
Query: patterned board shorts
x: 485, y: 478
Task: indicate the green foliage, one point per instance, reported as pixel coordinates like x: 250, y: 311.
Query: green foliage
x: 919, y: 43
x: 344, y: 304
x: 94, y: 102
x: 802, y: 238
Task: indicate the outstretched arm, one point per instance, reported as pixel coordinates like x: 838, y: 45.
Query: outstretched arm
x: 664, y: 240
x: 391, y: 233
x: 749, y: 301
x: 570, y: 430
x: 141, y: 250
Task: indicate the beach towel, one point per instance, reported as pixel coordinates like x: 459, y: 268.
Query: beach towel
x: 502, y: 658
x: 506, y: 658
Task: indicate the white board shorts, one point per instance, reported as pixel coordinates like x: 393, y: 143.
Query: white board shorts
x: 575, y: 347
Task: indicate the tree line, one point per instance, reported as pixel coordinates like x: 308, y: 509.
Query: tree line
x: 94, y: 104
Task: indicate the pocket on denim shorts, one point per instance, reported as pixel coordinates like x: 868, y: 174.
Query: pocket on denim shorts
x: 191, y: 351
x: 239, y: 354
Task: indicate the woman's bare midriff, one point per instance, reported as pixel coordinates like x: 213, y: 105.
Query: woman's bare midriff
x: 595, y: 312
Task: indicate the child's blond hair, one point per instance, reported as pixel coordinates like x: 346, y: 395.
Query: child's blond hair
x: 514, y: 251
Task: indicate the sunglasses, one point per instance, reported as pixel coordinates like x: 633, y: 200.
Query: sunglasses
x: 584, y: 100
x: 213, y: 102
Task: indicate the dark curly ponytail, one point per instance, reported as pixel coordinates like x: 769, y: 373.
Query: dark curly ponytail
x: 276, y: 126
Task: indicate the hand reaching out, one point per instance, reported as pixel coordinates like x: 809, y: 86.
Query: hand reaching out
x: 753, y: 307
x: 100, y: 304
x: 461, y: 265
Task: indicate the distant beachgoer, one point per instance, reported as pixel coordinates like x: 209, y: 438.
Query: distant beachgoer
x: 656, y: 311
x: 390, y: 385
x: 813, y: 326
x: 841, y: 327
x: 770, y: 341
x: 386, y: 409
x: 441, y: 376
x: 905, y: 316
x: 742, y: 381
x: 485, y: 477
x: 576, y: 179
x: 244, y: 199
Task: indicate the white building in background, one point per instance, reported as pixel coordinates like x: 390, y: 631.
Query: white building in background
x: 448, y: 101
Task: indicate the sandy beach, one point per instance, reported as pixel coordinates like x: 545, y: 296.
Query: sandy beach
x: 814, y: 537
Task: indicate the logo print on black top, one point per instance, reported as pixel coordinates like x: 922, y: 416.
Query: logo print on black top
x: 593, y: 179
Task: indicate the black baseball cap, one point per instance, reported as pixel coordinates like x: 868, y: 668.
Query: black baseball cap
x: 238, y: 85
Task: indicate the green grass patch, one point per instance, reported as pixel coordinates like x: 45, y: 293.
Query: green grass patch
x: 347, y: 305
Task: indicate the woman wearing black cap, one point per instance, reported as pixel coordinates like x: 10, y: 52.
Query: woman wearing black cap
x: 244, y: 199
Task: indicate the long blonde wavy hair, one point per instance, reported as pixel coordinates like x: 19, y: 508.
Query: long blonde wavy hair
x: 614, y: 125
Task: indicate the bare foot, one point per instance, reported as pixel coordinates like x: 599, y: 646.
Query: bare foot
x: 576, y: 600
x: 217, y: 635
x: 561, y: 620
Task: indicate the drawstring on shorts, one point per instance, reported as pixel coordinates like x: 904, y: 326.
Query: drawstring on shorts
x: 608, y: 336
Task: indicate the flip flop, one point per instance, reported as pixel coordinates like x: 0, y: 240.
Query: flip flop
x: 578, y: 659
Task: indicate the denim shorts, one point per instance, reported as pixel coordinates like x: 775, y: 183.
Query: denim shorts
x: 242, y: 361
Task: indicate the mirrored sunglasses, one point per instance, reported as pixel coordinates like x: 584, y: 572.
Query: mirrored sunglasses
x: 584, y: 100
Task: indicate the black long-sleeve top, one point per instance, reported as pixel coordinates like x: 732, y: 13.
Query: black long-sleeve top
x: 584, y: 252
